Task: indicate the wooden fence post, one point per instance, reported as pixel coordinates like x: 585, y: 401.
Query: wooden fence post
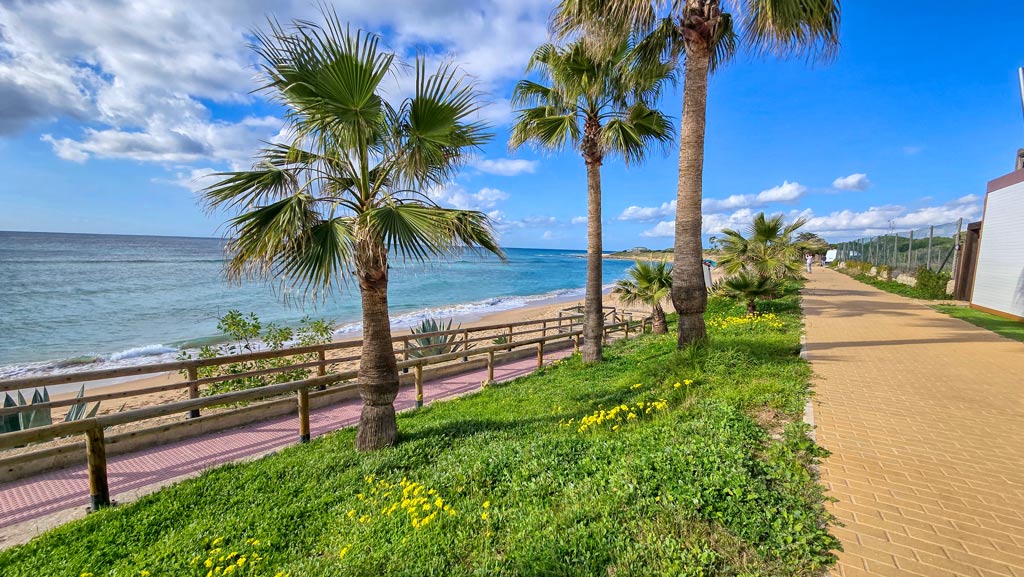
x: 303, y: 415
x: 575, y: 343
x: 928, y: 259
x: 321, y: 369
x: 405, y: 354
x: 96, y: 456
x: 540, y: 355
x: 490, y: 366
x: 910, y: 253
x: 544, y: 329
x: 510, y: 338
x: 465, y: 346
x: 419, y: 386
x: 193, y: 390
x: 627, y: 330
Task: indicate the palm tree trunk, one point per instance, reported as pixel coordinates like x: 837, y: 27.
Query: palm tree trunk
x: 752, y: 306
x: 378, y: 369
x: 689, y: 295
x: 593, y: 306
x: 658, y: 325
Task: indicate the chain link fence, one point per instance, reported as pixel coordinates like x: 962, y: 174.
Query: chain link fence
x: 934, y: 247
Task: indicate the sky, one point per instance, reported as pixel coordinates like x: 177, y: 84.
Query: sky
x: 113, y: 112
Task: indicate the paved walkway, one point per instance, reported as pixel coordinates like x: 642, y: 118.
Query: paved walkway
x: 33, y: 505
x: 924, y: 415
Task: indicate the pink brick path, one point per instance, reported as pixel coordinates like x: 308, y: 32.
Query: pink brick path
x: 68, y: 488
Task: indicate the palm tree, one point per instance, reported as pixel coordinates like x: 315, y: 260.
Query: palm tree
x: 708, y: 36
x: 649, y: 283
x: 770, y: 249
x: 599, y: 106
x: 343, y: 196
x: 748, y: 287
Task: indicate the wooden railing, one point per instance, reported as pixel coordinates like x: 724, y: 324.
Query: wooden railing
x: 93, y: 428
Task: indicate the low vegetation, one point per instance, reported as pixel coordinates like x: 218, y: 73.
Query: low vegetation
x: 656, y: 462
x: 249, y: 335
x: 1008, y: 328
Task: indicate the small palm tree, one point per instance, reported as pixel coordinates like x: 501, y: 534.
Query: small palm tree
x: 770, y: 249
x: 344, y: 196
x: 702, y: 36
x: 749, y: 288
x: 649, y: 283
x: 599, y: 106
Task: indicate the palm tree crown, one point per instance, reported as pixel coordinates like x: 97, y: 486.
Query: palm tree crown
x: 649, y: 283
x: 706, y: 35
x: 344, y: 193
x: 599, y: 105
x: 770, y: 249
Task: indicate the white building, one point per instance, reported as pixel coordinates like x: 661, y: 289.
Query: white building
x: 999, y: 276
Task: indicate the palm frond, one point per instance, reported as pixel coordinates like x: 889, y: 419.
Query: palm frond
x: 803, y: 28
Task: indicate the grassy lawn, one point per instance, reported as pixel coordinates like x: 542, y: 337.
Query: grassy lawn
x: 897, y: 288
x: 710, y: 477
x: 1008, y: 328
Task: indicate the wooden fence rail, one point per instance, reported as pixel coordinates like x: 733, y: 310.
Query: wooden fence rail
x: 93, y: 428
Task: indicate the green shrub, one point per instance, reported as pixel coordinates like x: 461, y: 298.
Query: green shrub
x: 249, y: 336
x: 931, y: 285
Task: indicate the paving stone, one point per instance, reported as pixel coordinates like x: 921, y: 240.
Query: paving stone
x: 923, y: 415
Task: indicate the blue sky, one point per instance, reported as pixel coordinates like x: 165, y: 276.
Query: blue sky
x: 109, y: 110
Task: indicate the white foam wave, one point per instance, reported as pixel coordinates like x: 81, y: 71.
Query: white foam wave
x: 158, y: 353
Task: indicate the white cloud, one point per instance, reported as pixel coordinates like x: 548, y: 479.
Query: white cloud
x: 664, y: 229
x: 843, y: 223
x: 912, y: 150
x: 578, y: 220
x: 858, y: 181
x: 147, y: 80
x: 194, y: 179
x: 456, y: 196
x: 505, y: 166
x: 783, y: 193
x: 877, y: 219
x: 548, y: 235
x: 648, y: 213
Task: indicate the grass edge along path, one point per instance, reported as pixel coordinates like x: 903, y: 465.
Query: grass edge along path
x: 656, y: 462
x: 1008, y: 328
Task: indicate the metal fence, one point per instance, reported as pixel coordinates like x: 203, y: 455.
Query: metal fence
x: 934, y: 247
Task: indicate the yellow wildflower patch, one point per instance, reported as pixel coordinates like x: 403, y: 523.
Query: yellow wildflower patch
x: 750, y: 322
x: 616, y: 415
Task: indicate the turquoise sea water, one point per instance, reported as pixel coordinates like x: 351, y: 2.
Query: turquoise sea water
x: 79, y: 301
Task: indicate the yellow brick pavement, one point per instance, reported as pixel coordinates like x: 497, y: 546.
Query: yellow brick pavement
x: 924, y: 415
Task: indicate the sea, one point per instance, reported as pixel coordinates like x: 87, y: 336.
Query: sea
x: 73, y: 302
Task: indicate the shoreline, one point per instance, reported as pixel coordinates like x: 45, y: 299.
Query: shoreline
x: 546, y: 308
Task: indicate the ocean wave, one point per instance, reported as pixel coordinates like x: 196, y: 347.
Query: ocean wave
x: 158, y: 353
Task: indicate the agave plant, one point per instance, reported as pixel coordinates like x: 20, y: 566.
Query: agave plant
x: 31, y: 418
x: 437, y: 344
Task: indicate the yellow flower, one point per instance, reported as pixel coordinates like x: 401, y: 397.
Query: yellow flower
x: 86, y: 575
x: 688, y: 382
x: 676, y: 386
x: 344, y: 551
x: 487, y: 504
x: 483, y: 515
x: 144, y: 573
x: 217, y: 541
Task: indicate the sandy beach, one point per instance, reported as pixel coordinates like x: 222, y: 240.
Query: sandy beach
x: 543, y: 310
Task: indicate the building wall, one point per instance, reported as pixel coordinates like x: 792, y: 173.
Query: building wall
x: 999, y: 280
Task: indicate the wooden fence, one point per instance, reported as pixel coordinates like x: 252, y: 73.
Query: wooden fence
x: 537, y: 334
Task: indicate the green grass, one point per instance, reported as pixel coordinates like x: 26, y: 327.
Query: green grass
x: 719, y: 483
x: 894, y: 287
x: 1008, y: 328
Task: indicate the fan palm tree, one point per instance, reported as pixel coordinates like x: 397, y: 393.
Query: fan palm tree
x: 343, y: 196
x: 599, y: 106
x: 770, y: 249
x: 748, y: 287
x: 649, y: 283
x: 705, y: 34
